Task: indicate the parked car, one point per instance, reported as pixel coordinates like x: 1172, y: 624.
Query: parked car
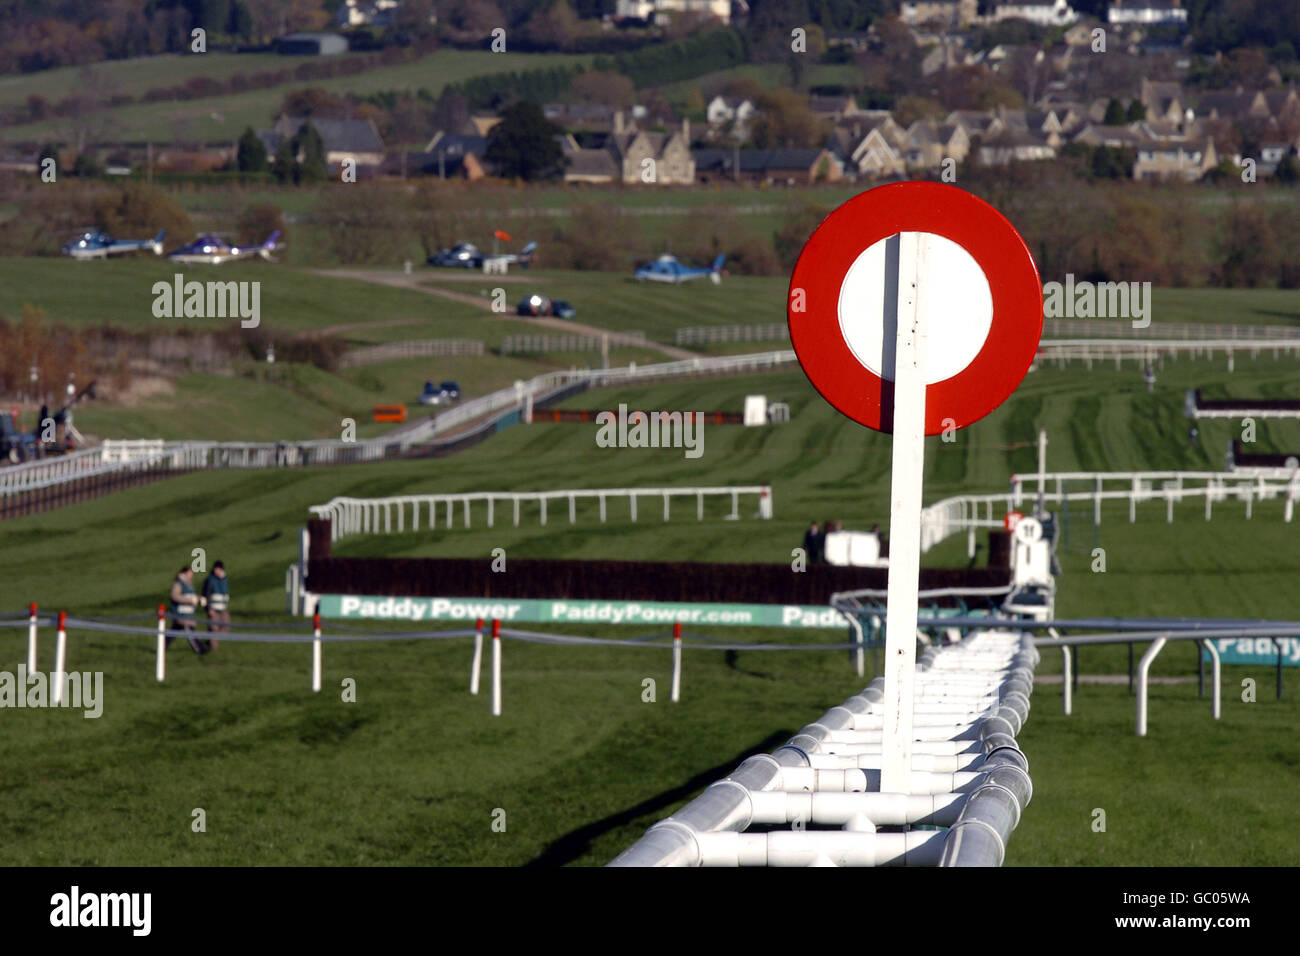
x: 540, y: 305
x: 439, y: 394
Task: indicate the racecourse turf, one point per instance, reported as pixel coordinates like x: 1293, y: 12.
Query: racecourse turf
x: 413, y: 771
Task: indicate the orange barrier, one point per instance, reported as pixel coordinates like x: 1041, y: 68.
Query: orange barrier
x: 390, y: 413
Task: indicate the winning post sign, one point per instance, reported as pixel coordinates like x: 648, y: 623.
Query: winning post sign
x: 915, y: 308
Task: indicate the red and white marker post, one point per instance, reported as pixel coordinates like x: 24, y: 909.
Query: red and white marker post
x: 914, y: 308
x: 58, y: 678
x: 496, y: 667
x: 677, y: 661
x: 160, y: 666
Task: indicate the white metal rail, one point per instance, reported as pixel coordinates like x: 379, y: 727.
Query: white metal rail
x: 968, y: 776
x: 350, y: 516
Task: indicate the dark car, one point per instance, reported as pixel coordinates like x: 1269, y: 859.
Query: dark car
x: 464, y: 255
x: 450, y: 389
x: 541, y: 305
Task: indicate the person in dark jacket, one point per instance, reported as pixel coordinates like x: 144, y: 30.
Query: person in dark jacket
x: 812, y: 544
x: 216, y: 591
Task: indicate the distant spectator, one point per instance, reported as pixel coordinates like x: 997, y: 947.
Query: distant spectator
x: 183, y: 604
x: 216, y: 590
x: 813, y: 544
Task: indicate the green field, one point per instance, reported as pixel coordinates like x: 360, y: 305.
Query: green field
x: 221, y: 119
x: 412, y: 772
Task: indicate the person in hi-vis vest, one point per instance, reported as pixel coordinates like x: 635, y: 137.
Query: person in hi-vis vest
x: 216, y: 590
x: 183, y: 604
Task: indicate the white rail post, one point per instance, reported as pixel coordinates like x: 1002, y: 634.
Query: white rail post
x: 60, y: 660
x: 315, y: 651
x: 908, y: 468
x: 1144, y: 668
x: 1216, y: 669
x: 31, y: 639
x: 477, y: 663
x: 1096, y: 503
x: 496, y: 667
x: 677, y: 661
x: 160, y: 666
x: 1042, y: 469
x: 1067, y: 673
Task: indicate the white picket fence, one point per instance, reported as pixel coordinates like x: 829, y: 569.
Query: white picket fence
x: 351, y: 516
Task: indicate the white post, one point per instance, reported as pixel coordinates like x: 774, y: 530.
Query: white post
x: 478, y: 656
x: 1215, y: 676
x: 60, y: 660
x: 315, y: 653
x: 160, y: 668
x: 1042, y: 468
x: 1144, y: 667
x: 677, y: 661
x: 905, y: 512
x: 31, y: 640
x: 496, y: 668
x: 1067, y: 674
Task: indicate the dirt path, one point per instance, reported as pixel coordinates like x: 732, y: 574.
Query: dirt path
x: 400, y: 280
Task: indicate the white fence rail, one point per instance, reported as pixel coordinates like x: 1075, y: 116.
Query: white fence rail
x: 1088, y: 351
x: 187, y: 455
x: 968, y: 777
x: 712, y: 334
x: 350, y: 516
x: 539, y: 342
x: 422, y: 348
x: 1188, y: 331
x: 970, y: 513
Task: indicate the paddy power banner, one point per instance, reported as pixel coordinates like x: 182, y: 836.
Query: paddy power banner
x: 1256, y: 650
x: 509, y: 611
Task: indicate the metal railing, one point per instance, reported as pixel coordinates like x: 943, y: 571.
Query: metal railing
x: 1188, y: 331
x: 713, y: 334
x: 429, y: 437
x: 968, y: 787
x: 423, y: 348
x: 537, y: 343
x: 1150, y: 350
x: 350, y: 516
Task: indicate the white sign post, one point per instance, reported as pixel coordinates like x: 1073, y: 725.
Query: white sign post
x: 905, y: 510
x: 915, y: 308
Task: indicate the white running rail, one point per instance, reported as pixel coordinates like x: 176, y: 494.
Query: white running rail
x: 135, y: 455
x: 1248, y: 485
x: 968, y: 776
x: 350, y: 516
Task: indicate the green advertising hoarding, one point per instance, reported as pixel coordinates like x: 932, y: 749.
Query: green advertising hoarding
x: 565, y: 611
x: 1256, y: 650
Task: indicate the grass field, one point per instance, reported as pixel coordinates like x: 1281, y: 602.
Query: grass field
x: 412, y: 772
x: 221, y: 119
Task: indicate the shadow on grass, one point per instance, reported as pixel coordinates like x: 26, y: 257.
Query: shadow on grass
x: 574, y: 844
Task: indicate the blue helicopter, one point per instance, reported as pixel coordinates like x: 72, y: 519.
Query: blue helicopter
x: 212, y: 250
x: 668, y: 268
x: 100, y: 245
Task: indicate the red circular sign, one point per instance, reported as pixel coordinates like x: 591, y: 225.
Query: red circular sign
x: 956, y: 215
x: 1011, y: 519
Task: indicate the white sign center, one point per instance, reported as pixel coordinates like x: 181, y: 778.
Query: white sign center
x: 958, y: 309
